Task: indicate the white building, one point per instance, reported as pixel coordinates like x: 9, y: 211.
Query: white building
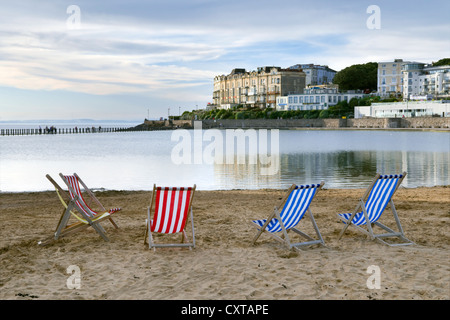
x: 410, y: 78
x: 405, y: 109
x: 315, y: 99
x: 422, y: 80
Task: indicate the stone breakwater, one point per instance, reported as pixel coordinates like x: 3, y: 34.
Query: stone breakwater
x: 369, y: 123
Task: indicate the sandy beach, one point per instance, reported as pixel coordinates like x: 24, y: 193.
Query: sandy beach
x: 225, y: 265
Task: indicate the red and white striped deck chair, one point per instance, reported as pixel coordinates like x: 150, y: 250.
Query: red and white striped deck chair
x: 168, y: 214
x: 76, y: 206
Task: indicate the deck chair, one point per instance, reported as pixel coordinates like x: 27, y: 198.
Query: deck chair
x: 371, y: 207
x: 293, y: 207
x: 75, y: 205
x: 168, y: 214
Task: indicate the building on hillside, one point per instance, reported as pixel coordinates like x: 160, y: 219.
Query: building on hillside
x: 259, y: 88
x: 315, y: 98
x: 316, y: 74
x: 390, y: 78
x: 424, y: 80
x: 413, y: 80
x: 405, y: 109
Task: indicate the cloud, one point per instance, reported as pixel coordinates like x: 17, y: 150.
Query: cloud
x: 98, y: 63
x: 172, y: 49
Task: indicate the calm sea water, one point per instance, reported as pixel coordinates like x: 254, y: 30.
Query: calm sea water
x: 137, y: 160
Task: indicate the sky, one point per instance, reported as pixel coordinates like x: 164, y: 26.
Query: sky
x: 130, y: 60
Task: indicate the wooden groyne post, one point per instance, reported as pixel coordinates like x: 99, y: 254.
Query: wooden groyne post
x: 41, y: 131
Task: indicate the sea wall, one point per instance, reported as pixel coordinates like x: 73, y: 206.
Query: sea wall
x: 273, y: 123
x: 426, y: 122
x: 380, y: 123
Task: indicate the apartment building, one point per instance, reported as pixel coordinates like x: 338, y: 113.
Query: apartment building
x: 316, y: 74
x: 390, y: 78
x: 259, y: 88
x: 421, y: 80
x: 413, y: 80
x: 315, y: 98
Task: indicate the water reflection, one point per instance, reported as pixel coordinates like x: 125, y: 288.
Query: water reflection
x: 341, y: 169
x: 137, y: 160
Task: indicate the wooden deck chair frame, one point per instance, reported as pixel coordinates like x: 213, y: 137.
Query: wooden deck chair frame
x: 71, y: 208
x: 148, y: 238
x: 284, y: 237
x: 361, y: 207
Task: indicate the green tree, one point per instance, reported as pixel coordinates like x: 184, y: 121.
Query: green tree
x: 240, y: 115
x: 358, y: 77
x: 324, y: 114
x: 442, y: 62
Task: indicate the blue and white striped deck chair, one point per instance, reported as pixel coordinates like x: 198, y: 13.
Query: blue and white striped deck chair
x: 293, y: 207
x: 371, y: 207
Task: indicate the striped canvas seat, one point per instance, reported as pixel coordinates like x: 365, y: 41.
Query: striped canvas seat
x: 77, y: 195
x: 370, y: 208
x: 168, y: 214
x: 75, y: 206
x: 379, y: 197
x: 293, y: 208
x: 171, y: 209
